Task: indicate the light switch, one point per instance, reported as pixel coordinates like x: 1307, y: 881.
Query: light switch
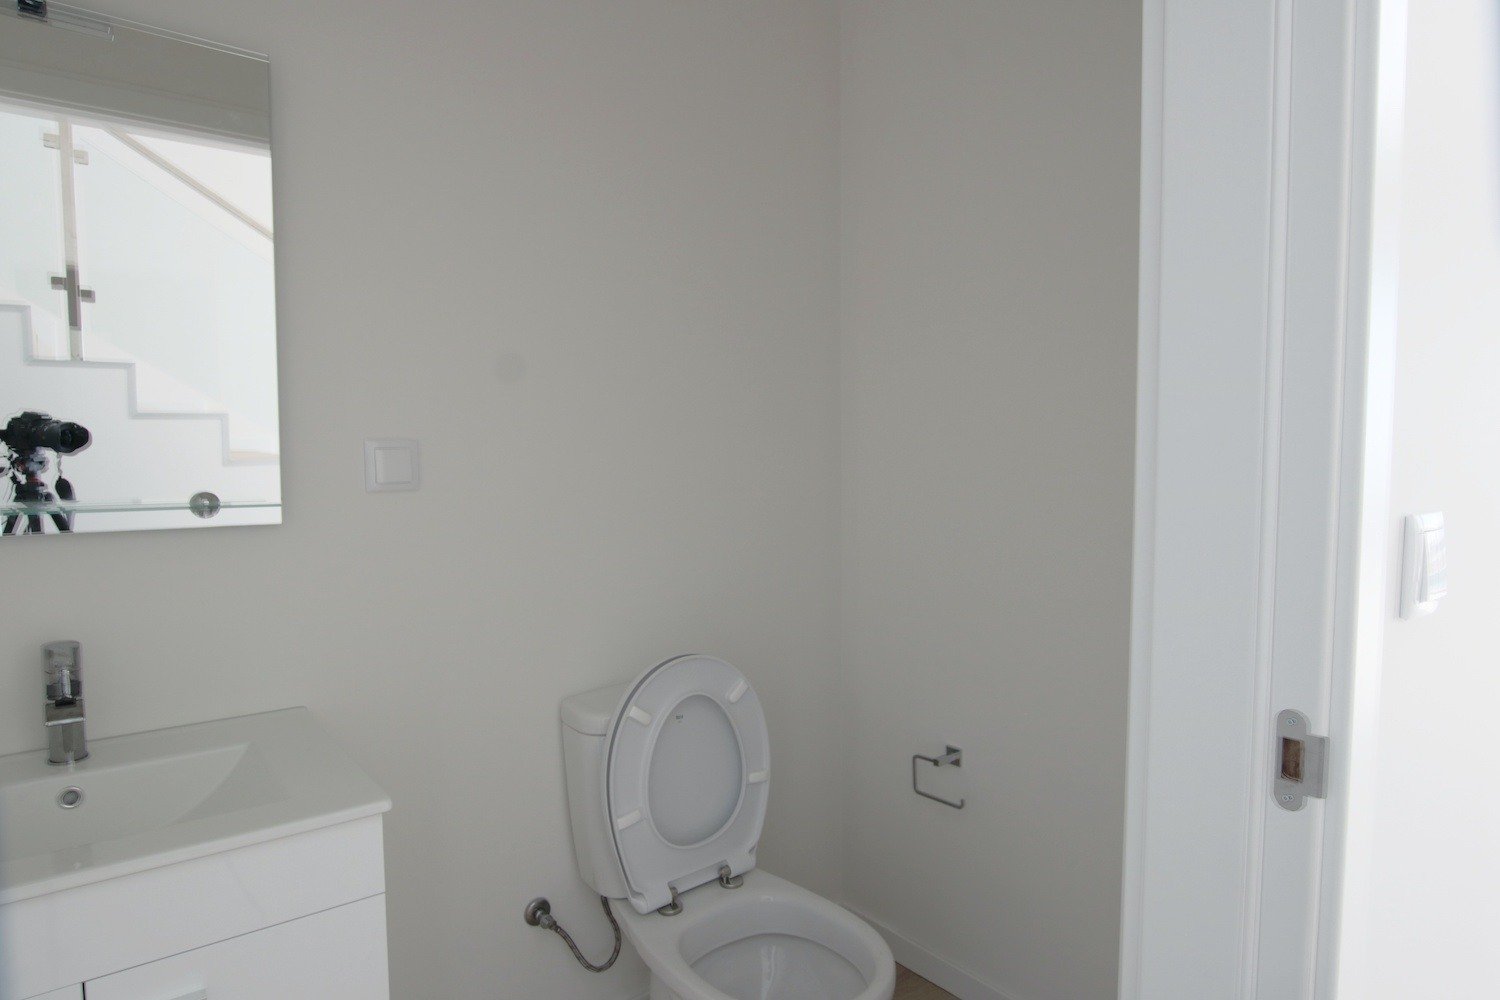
x: 391, y: 464
x: 1424, y: 564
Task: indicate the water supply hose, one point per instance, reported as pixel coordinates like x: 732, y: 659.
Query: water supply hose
x: 539, y: 914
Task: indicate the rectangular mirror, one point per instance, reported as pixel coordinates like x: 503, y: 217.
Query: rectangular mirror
x: 137, y: 278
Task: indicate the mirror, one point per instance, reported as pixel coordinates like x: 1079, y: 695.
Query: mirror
x: 137, y: 279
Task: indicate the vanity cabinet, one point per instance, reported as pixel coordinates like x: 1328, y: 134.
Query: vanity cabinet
x: 300, y: 918
x: 242, y: 859
x: 338, y: 954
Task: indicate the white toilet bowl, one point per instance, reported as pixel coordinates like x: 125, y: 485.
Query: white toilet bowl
x: 767, y: 940
x: 668, y: 778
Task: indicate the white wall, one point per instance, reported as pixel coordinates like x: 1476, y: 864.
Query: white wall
x: 586, y: 253
x: 1435, y: 888
x: 989, y: 157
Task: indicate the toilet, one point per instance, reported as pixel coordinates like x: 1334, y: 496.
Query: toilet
x: 667, y: 781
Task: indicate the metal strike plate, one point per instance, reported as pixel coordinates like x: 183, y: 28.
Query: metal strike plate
x: 1301, y: 761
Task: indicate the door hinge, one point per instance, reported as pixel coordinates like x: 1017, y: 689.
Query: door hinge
x: 1301, y: 761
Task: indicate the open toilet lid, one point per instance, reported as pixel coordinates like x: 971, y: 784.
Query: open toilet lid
x: 686, y: 777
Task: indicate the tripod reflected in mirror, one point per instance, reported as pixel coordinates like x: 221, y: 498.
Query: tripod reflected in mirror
x: 28, y: 438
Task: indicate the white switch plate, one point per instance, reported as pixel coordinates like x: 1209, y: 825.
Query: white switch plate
x: 1424, y: 564
x: 392, y: 464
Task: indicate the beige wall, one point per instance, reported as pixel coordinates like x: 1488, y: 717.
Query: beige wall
x: 1434, y: 908
x: 989, y: 157
x: 588, y: 253
x: 585, y: 252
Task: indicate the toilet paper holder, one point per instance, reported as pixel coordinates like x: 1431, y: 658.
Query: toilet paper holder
x: 952, y: 757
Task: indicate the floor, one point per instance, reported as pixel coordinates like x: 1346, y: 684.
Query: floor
x: 910, y: 986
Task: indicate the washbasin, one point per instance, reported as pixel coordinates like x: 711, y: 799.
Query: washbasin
x: 157, y: 798
x: 62, y: 812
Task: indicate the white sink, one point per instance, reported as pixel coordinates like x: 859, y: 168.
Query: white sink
x: 157, y: 798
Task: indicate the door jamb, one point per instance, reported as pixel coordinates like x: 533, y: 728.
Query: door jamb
x: 1358, y: 602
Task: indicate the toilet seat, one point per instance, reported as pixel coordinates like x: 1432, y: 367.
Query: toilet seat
x: 687, y: 776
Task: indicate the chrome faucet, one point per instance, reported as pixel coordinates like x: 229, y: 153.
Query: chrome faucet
x: 61, y: 661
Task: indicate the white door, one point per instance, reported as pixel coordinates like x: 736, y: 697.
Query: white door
x: 1266, y: 316
x: 338, y: 954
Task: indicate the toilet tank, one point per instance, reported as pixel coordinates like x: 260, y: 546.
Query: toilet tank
x: 585, y: 727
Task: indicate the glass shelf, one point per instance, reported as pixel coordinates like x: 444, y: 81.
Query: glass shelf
x: 120, y: 506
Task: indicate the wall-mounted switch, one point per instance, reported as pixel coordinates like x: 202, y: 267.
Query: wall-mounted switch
x: 1424, y: 565
x: 392, y: 464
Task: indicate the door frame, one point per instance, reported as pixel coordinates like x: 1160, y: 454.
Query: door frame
x: 1270, y: 167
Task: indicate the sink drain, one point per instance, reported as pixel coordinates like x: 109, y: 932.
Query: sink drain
x: 69, y: 797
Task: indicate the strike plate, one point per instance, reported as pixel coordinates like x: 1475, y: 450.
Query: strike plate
x: 1301, y: 761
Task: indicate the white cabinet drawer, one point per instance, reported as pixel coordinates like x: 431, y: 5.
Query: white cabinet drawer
x: 338, y: 954
x: 121, y: 923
